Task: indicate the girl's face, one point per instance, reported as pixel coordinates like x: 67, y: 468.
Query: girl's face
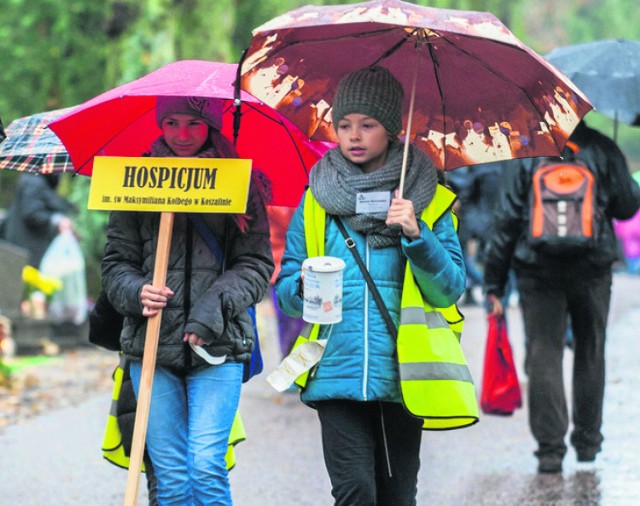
x: 184, y: 134
x: 363, y: 140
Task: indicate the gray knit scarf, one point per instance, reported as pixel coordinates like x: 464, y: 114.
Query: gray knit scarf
x: 335, y: 181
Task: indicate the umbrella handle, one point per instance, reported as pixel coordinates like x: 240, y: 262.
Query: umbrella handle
x: 405, y: 154
x: 237, y: 101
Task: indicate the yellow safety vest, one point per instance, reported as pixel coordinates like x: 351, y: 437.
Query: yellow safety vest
x: 435, y: 381
x: 113, y: 449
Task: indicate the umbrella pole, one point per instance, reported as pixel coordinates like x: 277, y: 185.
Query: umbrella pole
x: 405, y: 154
x: 148, y: 363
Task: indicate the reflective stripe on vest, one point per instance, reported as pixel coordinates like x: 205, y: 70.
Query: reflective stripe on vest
x: 424, y: 370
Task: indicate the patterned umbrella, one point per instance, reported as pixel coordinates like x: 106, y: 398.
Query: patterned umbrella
x: 31, y: 147
x: 473, y: 91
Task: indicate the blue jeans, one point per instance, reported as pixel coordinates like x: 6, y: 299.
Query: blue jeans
x: 188, y: 432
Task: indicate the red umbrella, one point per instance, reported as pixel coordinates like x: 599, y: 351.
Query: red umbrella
x: 481, y: 95
x: 121, y: 122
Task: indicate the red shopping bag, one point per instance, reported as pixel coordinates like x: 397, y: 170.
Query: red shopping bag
x: 500, y: 387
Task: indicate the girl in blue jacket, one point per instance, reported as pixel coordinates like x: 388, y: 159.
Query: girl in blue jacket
x: 371, y: 444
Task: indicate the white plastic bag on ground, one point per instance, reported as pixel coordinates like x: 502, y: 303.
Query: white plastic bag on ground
x: 64, y: 259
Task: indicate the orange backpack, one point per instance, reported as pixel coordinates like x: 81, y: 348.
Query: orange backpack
x: 563, y: 218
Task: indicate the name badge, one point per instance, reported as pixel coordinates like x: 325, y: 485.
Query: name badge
x: 372, y: 202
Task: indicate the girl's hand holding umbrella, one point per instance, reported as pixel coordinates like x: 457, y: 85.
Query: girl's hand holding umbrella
x: 401, y: 213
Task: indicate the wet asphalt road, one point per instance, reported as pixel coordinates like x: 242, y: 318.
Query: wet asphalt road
x: 54, y: 459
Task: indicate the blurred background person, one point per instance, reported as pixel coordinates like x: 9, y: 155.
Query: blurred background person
x: 476, y: 187
x: 628, y: 233
x: 37, y: 214
x: 558, y: 289
x: 288, y: 327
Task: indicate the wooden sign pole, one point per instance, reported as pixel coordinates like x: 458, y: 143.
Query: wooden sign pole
x: 148, y: 363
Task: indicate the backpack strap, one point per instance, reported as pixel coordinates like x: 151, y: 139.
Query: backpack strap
x: 207, y: 235
x: 351, y: 245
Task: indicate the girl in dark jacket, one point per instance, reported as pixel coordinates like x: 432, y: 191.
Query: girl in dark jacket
x: 204, y: 312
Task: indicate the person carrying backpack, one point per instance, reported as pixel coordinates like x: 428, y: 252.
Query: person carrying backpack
x: 562, y: 255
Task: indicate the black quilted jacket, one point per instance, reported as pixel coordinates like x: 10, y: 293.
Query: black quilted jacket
x: 618, y: 196
x: 217, y: 309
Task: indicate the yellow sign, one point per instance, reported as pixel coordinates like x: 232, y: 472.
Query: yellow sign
x: 202, y: 185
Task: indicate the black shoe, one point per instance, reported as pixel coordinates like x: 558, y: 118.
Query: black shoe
x: 549, y: 464
x: 587, y: 454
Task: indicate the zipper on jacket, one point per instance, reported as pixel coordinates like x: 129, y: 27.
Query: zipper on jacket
x: 365, y: 375
x: 186, y: 308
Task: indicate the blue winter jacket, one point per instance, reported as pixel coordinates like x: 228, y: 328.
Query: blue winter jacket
x: 359, y: 362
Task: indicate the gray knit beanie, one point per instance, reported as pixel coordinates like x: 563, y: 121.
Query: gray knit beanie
x: 373, y: 91
x: 207, y: 109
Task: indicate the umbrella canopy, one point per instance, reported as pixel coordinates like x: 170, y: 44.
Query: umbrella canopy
x: 3, y: 136
x: 608, y: 72
x: 122, y: 122
x: 31, y: 147
x: 481, y: 95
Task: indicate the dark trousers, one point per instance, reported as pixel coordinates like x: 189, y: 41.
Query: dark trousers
x: 546, y: 308
x: 371, y: 451
x: 152, y: 480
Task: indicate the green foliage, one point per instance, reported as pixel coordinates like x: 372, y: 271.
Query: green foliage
x: 5, y: 375
x: 547, y: 24
x: 57, y: 53
x: 250, y: 15
x: 48, y: 49
x: 144, y: 39
x: 207, y: 31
